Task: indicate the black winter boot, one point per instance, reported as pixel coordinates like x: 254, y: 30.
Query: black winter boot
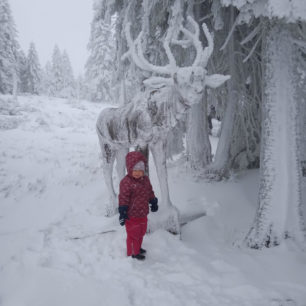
x: 139, y: 257
x: 142, y: 251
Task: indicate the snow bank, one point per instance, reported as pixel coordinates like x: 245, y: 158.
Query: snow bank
x: 52, y: 191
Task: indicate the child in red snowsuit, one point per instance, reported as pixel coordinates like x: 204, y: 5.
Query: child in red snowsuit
x: 135, y: 194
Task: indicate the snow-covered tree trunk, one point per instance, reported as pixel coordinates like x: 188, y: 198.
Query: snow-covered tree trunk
x: 301, y: 82
x: 197, y: 140
x: 15, y: 85
x: 220, y: 165
x: 279, y: 214
x: 33, y: 72
x: 8, y: 49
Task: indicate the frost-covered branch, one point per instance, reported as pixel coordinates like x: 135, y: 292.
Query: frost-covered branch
x: 206, y: 17
x: 251, y: 35
x: 230, y: 33
x: 253, y: 49
x: 300, y: 43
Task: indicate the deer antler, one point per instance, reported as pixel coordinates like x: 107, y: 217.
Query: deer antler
x: 136, y: 52
x: 201, y: 59
x: 207, y: 52
x: 202, y: 56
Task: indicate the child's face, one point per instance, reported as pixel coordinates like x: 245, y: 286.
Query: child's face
x: 137, y: 174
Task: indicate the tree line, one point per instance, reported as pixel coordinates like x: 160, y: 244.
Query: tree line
x: 23, y: 74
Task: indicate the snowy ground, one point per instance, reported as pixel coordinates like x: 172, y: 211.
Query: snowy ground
x: 51, y: 189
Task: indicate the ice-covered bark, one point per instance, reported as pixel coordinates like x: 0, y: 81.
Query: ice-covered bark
x: 197, y: 140
x: 300, y: 69
x: 279, y: 214
x: 238, y: 53
x: 221, y: 161
x: 8, y: 49
x: 198, y: 147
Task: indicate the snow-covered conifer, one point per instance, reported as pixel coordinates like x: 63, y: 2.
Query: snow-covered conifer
x: 33, y: 71
x: 8, y: 48
x: 100, y: 66
x: 47, y: 82
x: 57, y: 72
x: 22, y: 71
x: 279, y: 214
x: 68, y: 89
x: 81, y: 91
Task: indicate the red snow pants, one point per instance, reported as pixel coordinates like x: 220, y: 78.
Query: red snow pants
x: 135, y: 230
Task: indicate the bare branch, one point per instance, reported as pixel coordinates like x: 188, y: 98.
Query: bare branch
x: 300, y: 43
x: 230, y: 34
x: 251, y: 35
x: 206, y: 17
x: 253, y: 49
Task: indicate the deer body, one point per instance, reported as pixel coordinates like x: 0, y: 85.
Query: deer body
x: 151, y: 114
x: 145, y: 120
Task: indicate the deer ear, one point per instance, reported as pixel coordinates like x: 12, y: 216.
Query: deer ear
x: 215, y: 80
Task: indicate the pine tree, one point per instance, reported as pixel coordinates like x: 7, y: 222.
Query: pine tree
x: 100, y: 65
x: 59, y: 80
x: 8, y: 49
x: 81, y: 88
x: 279, y: 215
x: 68, y: 78
x: 33, y: 71
x: 57, y: 72
x: 22, y: 71
x: 48, y: 80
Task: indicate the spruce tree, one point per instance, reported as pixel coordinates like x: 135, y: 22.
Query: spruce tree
x: 57, y: 71
x: 100, y: 65
x: 22, y: 71
x: 48, y: 80
x: 62, y: 83
x: 33, y: 72
x: 68, y: 78
x: 8, y: 49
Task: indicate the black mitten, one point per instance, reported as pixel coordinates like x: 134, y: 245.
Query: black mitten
x: 153, y: 204
x: 123, y: 214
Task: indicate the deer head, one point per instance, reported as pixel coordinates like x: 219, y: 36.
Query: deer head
x: 190, y: 81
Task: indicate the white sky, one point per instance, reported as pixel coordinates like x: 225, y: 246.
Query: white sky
x: 49, y: 22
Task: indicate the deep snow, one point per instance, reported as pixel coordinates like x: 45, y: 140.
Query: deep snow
x: 51, y: 190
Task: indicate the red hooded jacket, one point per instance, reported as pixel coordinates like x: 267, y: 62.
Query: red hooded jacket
x: 135, y: 193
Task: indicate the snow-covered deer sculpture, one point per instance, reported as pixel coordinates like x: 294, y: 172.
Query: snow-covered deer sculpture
x: 152, y: 113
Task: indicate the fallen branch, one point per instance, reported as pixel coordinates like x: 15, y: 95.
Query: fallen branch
x: 183, y: 221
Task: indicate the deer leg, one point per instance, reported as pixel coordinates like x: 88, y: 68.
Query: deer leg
x: 120, y: 167
x: 145, y: 151
x: 171, y: 222
x: 159, y: 155
x: 108, y: 156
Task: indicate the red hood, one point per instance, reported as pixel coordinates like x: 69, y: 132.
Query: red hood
x: 132, y: 159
